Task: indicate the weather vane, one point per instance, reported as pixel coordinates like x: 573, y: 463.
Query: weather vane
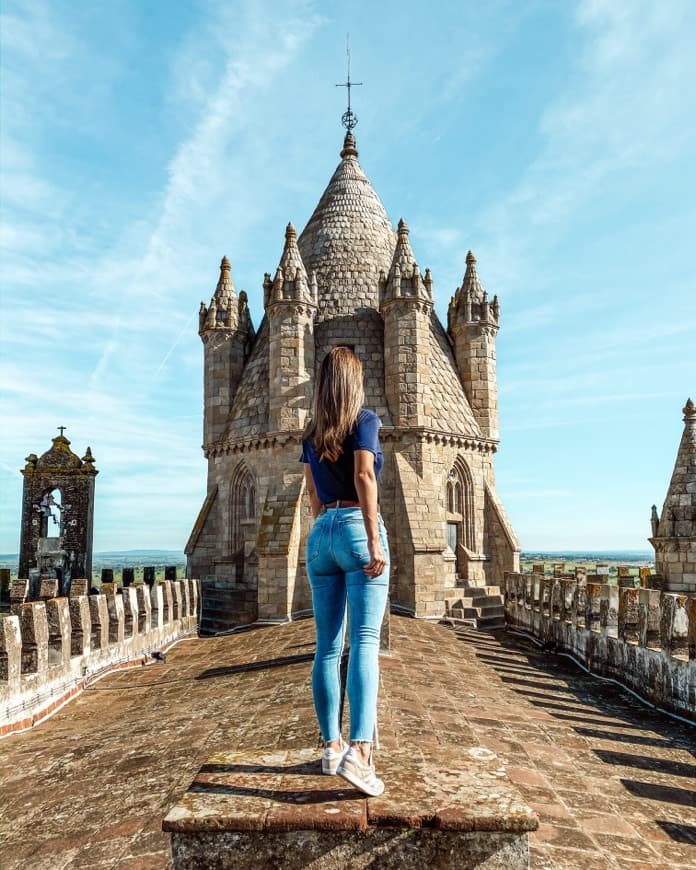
x: 349, y: 119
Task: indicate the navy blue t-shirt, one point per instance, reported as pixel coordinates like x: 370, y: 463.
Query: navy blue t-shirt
x: 334, y: 480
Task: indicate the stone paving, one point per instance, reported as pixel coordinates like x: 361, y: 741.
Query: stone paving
x: 611, y: 780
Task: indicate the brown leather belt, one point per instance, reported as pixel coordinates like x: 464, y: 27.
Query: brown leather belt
x: 341, y: 503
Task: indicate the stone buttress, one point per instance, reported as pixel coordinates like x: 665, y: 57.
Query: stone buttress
x: 349, y: 279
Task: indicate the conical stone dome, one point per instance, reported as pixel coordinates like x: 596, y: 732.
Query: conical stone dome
x: 348, y: 240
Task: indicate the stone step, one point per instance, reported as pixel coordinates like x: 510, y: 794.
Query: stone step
x: 487, y: 623
x: 478, y: 822
x: 482, y: 588
x: 491, y: 610
x: 481, y: 600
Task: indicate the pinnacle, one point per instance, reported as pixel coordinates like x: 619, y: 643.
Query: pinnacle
x: 471, y: 282
x: 678, y: 517
x: 350, y: 148
x: 224, y: 291
x: 403, y: 253
x: 291, y: 260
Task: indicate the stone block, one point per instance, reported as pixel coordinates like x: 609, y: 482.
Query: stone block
x: 144, y: 608
x: 80, y: 625
x: 79, y: 586
x: 592, y: 606
x: 649, y: 617
x: 114, y: 604
x: 609, y: 610
x: 628, y: 615
x: 186, y: 598
x: 48, y: 589
x: 10, y: 652
x: 59, y: 631
x: 157, y: 601
x: 674, y: 624
x: 99, y: 619
x: 177, y: 600
x: 34, y: 631
x: 167, y: 601
x: 18, y: 594
x: 130, y: 611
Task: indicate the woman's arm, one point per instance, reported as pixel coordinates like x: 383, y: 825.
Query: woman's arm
x: 312, y: 490
x: 366, y: 488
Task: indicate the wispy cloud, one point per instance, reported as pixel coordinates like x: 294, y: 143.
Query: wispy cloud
x: 94, y: 327
x: 635, y: 63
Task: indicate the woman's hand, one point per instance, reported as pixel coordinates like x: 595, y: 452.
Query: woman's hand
x: 378, y: 561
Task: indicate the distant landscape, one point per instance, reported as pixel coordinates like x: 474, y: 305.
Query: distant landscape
x: 160, y: 558
x: 116, y: 559
x: 588, y: 559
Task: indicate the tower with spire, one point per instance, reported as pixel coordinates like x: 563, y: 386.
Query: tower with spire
x: 674, y: 529
x: 226, y: 331
x: 349, y: 278
x: 472, y: 322
x: 291, y: 304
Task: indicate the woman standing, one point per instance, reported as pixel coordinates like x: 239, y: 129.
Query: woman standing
x: 347, y: 562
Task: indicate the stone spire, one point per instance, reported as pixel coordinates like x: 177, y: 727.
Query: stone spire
x: 404, y: 278
x: 348, y: 240
x: 675, y: 538
x: 222, y: 311
x: 291, y: 283
x: 470, y: 301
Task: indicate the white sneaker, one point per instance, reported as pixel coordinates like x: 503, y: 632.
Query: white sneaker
x: 331, y: 758
x: 360, y: 775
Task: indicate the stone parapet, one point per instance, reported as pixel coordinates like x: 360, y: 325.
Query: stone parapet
x: 50, y: 650
x: 645, y: 638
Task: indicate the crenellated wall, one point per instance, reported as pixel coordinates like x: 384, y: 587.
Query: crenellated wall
x: 645, y: 638
x: 50, y: 649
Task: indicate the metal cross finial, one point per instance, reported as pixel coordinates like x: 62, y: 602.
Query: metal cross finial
x: 62, y: 429
x: 349, y: 119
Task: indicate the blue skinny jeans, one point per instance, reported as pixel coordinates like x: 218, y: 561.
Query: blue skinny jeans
x: 336, y: 553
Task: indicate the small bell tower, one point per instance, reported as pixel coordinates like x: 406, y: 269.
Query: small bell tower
x: 57, y: 514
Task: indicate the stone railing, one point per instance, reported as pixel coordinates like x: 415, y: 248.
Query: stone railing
x: 51, y: 649
x: 644, y: 638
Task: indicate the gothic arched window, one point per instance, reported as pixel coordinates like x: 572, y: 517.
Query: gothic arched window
x: 459, y: 500
x: 243, y: 505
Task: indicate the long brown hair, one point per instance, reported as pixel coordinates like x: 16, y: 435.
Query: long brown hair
x: 338, y: 398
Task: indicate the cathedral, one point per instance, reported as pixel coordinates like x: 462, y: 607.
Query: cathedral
x: 349, y: 278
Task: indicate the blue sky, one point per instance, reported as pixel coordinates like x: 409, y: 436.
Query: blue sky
x: 141, y: 141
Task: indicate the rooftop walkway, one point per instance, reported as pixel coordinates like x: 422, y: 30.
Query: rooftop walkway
x: 611, y: 780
